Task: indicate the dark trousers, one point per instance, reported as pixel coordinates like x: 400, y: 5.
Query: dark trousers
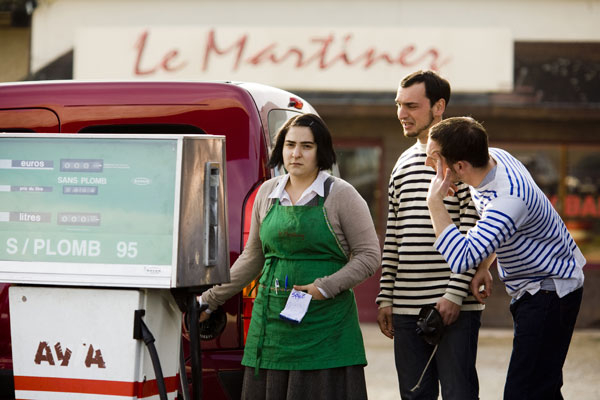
x: 453, y: 366
x: 543, y: 327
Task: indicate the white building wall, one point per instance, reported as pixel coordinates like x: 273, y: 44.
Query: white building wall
x: 56, y: 21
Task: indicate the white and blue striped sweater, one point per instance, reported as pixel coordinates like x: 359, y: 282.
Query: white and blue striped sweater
x: 519, y: 223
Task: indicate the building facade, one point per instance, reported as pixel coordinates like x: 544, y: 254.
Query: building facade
x: 529, y: 70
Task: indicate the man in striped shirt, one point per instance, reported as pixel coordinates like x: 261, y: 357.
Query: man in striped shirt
x: 414, y: 274
x: 538, y: 260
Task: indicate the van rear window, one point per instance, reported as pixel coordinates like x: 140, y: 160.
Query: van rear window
x: 277, y: 118
x: 143, y: 128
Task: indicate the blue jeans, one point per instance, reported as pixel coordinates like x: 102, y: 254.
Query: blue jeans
x: 543, y: 326
x: 453, y: 366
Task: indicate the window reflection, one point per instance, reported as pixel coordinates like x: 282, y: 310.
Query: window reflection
x: 276, y: 119
x: 582, y: 201
x: 542, y: 163
x: 359, y: 165
x: 575, y: 192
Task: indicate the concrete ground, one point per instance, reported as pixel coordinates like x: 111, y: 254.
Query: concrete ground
x: 581, y: 371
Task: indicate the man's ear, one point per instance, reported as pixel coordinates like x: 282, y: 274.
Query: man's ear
x: 439, y: 107
x: 460, y: 166
x: 463, y: 168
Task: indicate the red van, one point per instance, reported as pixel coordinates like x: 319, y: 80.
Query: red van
x: 248, y: 115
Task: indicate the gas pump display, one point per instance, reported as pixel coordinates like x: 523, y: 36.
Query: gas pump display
x: 97, y: 201
x: 101, y: 209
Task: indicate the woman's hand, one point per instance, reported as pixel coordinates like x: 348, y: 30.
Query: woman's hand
x: 203, y: 316
x: 312, y: 290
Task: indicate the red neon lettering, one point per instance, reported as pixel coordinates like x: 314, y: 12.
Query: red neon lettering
x: 166, y: 63
x: 572, y: 203
x: 322, y: 53
x: 588, y: 207
x: 576, y: 206
x: 271, y: 53
x: 211, y: 46
x: 264, y: 54
x: 372, y: 56
x: 407, y: 56
x: 140, y: 46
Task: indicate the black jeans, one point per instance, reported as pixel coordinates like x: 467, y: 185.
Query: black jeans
x: 453, y: 367
x: 543, y: 327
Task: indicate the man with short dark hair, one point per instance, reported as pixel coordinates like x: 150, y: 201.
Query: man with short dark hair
x: 414, y: 274
x: 538, y: 260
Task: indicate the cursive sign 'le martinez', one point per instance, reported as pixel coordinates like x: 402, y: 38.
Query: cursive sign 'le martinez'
x: 300, y: 58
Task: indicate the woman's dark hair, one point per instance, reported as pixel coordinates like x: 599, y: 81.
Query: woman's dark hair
x: 436, y: 87
x: 461, y: 139
x: 322, y: 137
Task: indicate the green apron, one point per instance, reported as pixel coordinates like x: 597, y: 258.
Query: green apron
x: 299, y: 247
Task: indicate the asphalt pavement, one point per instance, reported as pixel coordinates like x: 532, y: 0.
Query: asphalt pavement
x: 581, y: 371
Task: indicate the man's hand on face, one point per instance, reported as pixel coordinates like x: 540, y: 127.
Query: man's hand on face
x: 441, y: 185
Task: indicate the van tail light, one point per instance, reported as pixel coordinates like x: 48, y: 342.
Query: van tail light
x: 249, y: 292
x: 296, y: 103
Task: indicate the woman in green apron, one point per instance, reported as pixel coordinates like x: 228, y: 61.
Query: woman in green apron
x: 310, y: 232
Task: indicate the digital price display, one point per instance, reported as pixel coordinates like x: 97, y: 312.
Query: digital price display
x: 88, y: 204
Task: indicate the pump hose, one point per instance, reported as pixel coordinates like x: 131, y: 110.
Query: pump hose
x: 160, y: 380
x: 183, y: 380
x: 194, y: 312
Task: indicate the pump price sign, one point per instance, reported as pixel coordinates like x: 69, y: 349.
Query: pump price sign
x: 88, y: 205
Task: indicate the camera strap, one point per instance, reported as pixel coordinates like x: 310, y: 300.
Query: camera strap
x: 425, y: 369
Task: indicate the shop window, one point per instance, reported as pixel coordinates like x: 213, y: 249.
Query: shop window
x: 570, y: 177
x: 543, y: 163
x: 581, y: 210
x: 360, y: 165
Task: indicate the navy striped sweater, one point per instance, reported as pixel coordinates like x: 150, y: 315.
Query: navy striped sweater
x: 519, y: 223
x: 414, y: 273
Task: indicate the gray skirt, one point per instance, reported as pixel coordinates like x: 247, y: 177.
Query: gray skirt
x: 344, y: 383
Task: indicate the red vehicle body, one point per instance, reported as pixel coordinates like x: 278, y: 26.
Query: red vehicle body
x: 247, y: 114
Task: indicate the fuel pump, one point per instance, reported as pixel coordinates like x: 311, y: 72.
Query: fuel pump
x: 109, y: 238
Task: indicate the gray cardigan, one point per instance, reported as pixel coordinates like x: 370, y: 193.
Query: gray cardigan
x: 349, y: 219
